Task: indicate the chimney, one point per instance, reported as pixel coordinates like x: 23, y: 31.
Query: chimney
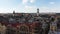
x: 37, y: 11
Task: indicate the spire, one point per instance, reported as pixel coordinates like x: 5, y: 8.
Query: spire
x: 37, y: 11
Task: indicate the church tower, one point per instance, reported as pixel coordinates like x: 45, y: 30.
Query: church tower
x: 53, y: 27
x: 37, y: 11
x: 13, y: 13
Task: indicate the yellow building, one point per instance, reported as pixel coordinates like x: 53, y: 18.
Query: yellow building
x: 2, y: 29
x: 53, y: 25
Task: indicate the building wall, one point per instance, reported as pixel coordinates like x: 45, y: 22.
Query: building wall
x: 2, y: 29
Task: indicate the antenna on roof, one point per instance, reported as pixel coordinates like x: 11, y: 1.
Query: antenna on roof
x: 37, y: 11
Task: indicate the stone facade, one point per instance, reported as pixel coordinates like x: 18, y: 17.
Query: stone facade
x: 2, y: 29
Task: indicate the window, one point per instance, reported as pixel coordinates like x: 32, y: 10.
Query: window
x: 24, y: 30
x: 37, y: 30
x: 10, y: 31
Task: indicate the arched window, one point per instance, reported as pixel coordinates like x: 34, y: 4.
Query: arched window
x: 24, y: 30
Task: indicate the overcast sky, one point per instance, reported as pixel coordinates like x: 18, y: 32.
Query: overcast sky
x: 29, y: 6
